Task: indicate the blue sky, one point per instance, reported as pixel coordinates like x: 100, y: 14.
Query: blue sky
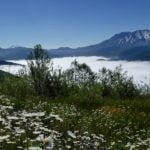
x: 73, y: 23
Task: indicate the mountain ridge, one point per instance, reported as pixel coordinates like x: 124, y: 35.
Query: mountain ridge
x: 120, y: 46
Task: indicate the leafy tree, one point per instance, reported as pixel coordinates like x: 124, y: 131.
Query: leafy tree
x: 82, y: 83
x: 39, y: 64
x: 47, y: 81
x: 80, y: 74
x: 116, y: 83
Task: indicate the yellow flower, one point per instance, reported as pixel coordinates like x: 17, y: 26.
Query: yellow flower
x: 46, y: 141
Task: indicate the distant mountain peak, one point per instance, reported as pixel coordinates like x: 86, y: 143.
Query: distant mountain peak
x: 143, y: 34
x: 14, y: 46
x: 129, y: 39
x: 64, y: 48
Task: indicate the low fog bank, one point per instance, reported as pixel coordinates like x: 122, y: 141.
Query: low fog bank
x: 140, y: 70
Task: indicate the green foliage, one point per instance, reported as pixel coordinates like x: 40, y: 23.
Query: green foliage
x: 80, y: 75
x: 38, y: 63
x: 115, y: 123
x: 56, y: 84
x: 46, y: 80
x: 86, y: 97
x: 117, y: 84
x: 16, y: 87
x: 79, y: 83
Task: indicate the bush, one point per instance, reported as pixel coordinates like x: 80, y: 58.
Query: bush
x: 80, y: 75
x: 117, y: 84
x: 87, y: 97
x: 38, y: 64
x: 46, y: 80
x: 16, y: 87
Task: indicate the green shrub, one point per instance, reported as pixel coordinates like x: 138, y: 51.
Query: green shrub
x: 38, y: 64
x: 46, y: 80
x: 80, y: 75
x: 16, y: 87
x: 117, y: 84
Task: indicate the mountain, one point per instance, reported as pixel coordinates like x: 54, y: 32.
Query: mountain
x: 115, y: 47
x: 137, y: 53
x: 126, y: 45
x: 127, y: 40
x: 14, y: 53
x: 17, y: 53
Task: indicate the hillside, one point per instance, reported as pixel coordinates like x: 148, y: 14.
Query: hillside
x: 137, y: 53
x: 14, y: 53
x: 4, y: 74
x: 115, y: 47
x: 79, y: 109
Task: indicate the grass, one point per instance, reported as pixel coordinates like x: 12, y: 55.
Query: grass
x: 56, y: 110
x: 112, y: 124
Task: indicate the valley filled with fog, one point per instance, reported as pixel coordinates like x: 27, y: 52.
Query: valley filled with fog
x: 140, y: 70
